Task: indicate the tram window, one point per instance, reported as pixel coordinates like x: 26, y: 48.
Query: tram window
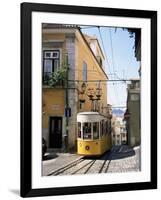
x: 96, y: 130
x: 79, y: 130
x: 107, y: 127
x: 102, y: 127
x: 87, y: 131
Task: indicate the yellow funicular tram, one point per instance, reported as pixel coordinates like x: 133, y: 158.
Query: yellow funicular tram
x: 93, y: 136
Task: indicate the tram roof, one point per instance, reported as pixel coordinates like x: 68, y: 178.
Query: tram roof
x: 89, y: 113
x: 89, y: 117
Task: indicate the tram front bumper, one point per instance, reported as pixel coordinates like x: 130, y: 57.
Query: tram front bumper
x: 86, y: 147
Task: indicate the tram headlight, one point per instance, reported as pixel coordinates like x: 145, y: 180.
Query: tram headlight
x: 87, y: 148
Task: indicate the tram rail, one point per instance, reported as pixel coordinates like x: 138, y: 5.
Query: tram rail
x: 83, y: 165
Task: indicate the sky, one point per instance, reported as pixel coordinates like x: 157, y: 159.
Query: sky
x: 121, y: 63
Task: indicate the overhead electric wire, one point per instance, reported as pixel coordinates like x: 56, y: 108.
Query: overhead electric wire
x: 113, y: 62
x: 107, y: 80
x: 124, y: 81
x: 104, y: 49
x: 114, y: 88
x: 86, y: 27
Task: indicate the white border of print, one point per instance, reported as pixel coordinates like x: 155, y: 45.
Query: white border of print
x: 39, y: 181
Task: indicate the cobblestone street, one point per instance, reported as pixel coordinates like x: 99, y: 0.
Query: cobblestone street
x: 119, y: 159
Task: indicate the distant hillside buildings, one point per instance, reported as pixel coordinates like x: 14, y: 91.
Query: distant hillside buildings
x: 119, y: 135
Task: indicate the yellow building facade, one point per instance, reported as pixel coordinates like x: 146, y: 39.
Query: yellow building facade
x: 61, y: 103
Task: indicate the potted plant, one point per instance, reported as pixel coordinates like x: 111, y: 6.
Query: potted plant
x: 58, y: 77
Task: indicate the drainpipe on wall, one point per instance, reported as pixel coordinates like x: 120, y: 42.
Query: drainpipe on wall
x: 67, y: 104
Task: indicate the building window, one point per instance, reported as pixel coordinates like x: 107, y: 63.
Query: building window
x: 51, y: 60
x: 84, y: 71
x: 123, y: 135
x: 80, y: 106
x: 99, y: 60
x: 134, y: 97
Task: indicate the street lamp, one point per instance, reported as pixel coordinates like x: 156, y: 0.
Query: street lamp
x: 94, y: 95
x: 98, y: 93
x: 83, y: 87
x: 82, y: 92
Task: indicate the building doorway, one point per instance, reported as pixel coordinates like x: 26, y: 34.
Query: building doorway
x: 55, y: 132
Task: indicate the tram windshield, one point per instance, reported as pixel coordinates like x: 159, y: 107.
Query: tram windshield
x: 87, y: 131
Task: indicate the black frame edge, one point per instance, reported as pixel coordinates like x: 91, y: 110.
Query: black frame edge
x: 25, y: 138
x: 88, y: 10
x: 93, y: 189
x: 154, y: 99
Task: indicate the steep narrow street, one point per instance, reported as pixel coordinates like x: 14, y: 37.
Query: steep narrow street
x: 119, y: 159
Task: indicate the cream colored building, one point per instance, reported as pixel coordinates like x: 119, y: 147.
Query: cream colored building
x: 119, y: 135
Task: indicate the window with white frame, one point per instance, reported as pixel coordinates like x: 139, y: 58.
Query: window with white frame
x: 51, y: 62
